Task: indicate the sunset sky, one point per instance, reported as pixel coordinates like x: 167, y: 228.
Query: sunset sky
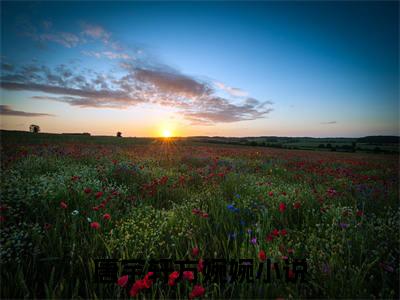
x: 198, y: 68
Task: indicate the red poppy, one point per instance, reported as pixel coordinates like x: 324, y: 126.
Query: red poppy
x: 262, y: 256
x: 96, y: 208
x: 63, y: 205
x: 98, y: 195
x: 122, y: 281
x: 282, y: 207
x: 197, y: 291
x: 360, y: 213
x: 172, y: 278
x: 196, y: 211
x: 95, y: 225
x: 204, y: 215
x: 200, y: 265
x: 275, y: 232
x: 297, y: 205
x: 188, y: 275
x: 106, y: 217
x: 271, y: 193
x: 195, y: 251
x: 87, y: 190
x: 283, y: 232
x: 269, y: 238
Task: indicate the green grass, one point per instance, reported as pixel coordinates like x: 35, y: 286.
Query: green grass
x: 342, y: 215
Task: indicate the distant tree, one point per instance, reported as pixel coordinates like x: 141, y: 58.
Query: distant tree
x: 354, y: 146
x: 34, y: 128
x: 377, y: 150
x: 328, y: 145
x: 321, y: 146
x: 119, y: 134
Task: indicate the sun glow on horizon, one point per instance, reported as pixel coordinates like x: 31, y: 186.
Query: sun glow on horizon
x: 166, y: 133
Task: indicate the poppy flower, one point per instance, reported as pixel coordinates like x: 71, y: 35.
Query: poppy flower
x: 106, y: 217
x: 95, y: 225
x: 188, y: 275
x: 197, y: 291
x: 275, y: 232
x: 283, y: 232
x: 282, y: 207
x: 360, y: 213
x: 172, y: 278
x: 98, y: 195
x: 262, y: 256
x: 204, y: 215
x: 122, y: 281
x: 297, y: 205
x: 195, y: 251
x: 269, y: 238
x: 271, y: 194
x: 63, y: 205
x: 200, y: 265
x: 87, y: 190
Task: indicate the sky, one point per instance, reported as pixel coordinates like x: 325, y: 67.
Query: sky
x: 319, y: 69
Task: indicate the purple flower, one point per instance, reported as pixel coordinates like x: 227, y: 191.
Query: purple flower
x: 253, y: 240
x: 344, y: 225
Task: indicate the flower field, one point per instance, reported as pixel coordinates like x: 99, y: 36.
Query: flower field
x: 65, y: 204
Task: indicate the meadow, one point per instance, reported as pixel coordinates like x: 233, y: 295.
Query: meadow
x: 67, y: 201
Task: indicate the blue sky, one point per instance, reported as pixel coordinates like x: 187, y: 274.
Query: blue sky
x: 201, y: 68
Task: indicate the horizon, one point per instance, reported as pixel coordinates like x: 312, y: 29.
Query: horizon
x: 220, y: 69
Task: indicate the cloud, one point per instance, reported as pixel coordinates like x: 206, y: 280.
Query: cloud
x: 328, y: 123
x: 95, y: 32
x: 6, y: 110
x: 172, y: 82
x: 107, y: 54
x: 195, y: 99
x: 236, y: 92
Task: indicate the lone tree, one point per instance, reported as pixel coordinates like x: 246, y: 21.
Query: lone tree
x: 34, y: 128
x: 119, y: 134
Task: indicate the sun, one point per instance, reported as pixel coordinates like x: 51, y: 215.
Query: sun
x: 166, y: 133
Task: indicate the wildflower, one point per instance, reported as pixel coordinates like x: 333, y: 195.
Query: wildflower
x: 386, y: 267
x: 344, y: 225
x: 122, y: 281
x: 204, y: 215
x: 47, y: 226
x: 89, y: 220
x: 197, y: 291
x: 232, y: 208
x: 196, y: 211
x: 283, y: 232
x: 75, y: 212
x: 63, y: 205
x: 275, y: 232
x: 136, y: 287
x: 172, y: 278
x: 147, y: 282
x: 271, y: 194
x: 262, y: 256
x: 188, y: 275
x: 269, y: 238
x: 195, y: 251
x: 106, y: 217
x: 98, y: 195
x: 95, y: 208
x: 282, y: 207
x: 87, y: 190
x: 360, y: 213
x: 95, y: 225
x: 200, y: 265
x: 253, y: 240
x: 297, y: 205
x: 232, y: 236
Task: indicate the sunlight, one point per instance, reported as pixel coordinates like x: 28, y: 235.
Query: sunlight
x: 166, y: 133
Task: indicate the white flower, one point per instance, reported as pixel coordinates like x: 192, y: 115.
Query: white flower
x: 75, y: 212
x: 89, y: 220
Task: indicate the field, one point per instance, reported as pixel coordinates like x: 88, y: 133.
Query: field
x: 66, y: 201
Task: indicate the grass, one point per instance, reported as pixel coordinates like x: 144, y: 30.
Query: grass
x: 341, y: 215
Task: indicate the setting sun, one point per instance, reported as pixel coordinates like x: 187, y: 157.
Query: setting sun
x: 166, y: 133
